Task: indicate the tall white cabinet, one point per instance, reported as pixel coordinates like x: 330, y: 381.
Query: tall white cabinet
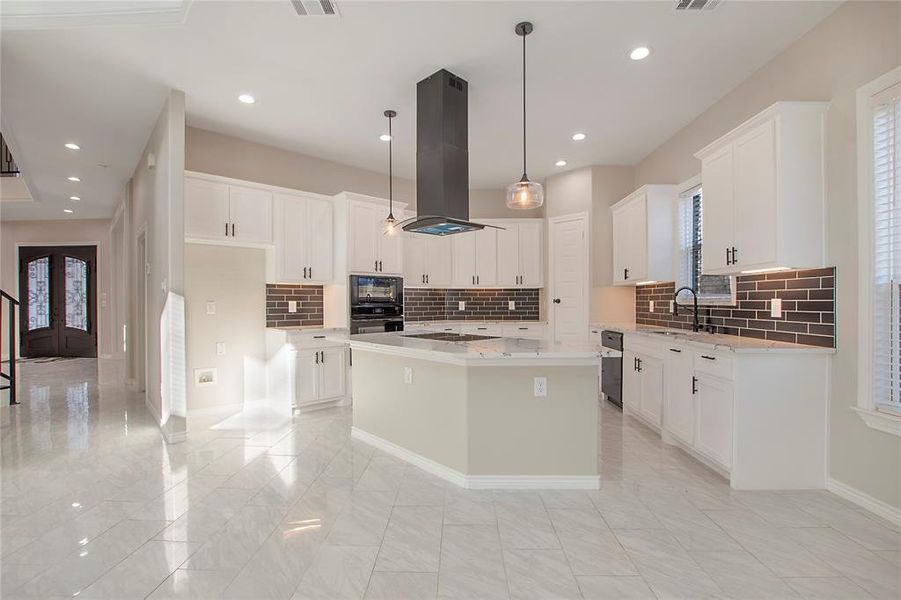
x: 763, y: 186
x: 370, y: 251
x: 643, y: 235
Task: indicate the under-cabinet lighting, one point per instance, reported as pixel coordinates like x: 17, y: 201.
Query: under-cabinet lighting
x: 645, y: 282
x: 768, y: 270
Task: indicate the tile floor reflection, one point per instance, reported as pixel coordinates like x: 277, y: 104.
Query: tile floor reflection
x: 95, y: 505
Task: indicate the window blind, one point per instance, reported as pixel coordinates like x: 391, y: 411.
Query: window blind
x: 711, y: 289
x: 887, y: 249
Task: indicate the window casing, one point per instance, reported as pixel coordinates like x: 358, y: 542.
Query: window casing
x: 711, y: 289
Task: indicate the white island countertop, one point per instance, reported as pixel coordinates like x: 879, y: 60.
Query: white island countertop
x: 503, y: 351
x: 712, y: 341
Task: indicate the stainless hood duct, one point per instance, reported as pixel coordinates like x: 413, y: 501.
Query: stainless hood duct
x: 442, y: 156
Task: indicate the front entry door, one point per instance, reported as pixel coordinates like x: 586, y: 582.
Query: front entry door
x: 58, y: 288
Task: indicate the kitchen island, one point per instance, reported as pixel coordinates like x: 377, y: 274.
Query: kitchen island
x: 481, y: 412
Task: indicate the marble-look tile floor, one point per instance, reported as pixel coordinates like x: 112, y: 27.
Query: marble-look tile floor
x: 95, y: 505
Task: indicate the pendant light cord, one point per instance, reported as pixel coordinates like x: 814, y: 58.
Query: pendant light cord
x: 524, y: 106
x: 390, y: 170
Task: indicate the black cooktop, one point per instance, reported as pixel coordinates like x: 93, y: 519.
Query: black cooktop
x: 449, y: 336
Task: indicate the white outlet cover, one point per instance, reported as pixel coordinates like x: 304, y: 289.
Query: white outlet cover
x: 292, y: 306
x: 408, y: 375
x: 220, y: 348
x: 211, y: 308
x: 461, y: 305
x: 651, y: 305
x: 776, y: 307
x: 511, y: 305
x: 671, y: 306
x: 540, y: 387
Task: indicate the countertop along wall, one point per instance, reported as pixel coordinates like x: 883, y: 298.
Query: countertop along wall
x: 851, y: 47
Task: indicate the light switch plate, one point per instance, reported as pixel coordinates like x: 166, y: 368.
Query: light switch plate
x: 211, y: 308
x: 540, y: 387
x: 408, y: 374
x: 220, y: 348
x: 511, y: 305
x: 461, y: 305
x: 776, y: 307
x: 292, y: 306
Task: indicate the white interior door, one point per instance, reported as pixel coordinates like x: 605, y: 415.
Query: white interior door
x: 206, y: 208
x: 508, y: 255
x: 569, y: 276
x: 250, y: 214
x: 320, y: 239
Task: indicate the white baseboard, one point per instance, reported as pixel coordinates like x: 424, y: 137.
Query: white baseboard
x: 480, y: 482
x: 878, y: 507
x: 171, y: 438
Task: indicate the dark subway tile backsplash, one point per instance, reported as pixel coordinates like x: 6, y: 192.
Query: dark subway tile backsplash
x: 309, y: 305
x: 808, y: 307
x: 481, y: 304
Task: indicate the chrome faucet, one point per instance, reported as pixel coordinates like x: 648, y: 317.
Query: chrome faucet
x: 696, y: 324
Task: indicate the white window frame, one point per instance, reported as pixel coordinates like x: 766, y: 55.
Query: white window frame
x: 682, y: 190
x: 881, y: 420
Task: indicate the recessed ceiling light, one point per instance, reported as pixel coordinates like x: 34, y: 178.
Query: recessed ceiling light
x: 73, y: 178
x: 247, y: 99
x: 578, y: 137
x: 68, y: 210
x: 75, y: 198
x: 73, y: 146
x: 640, y: 53
x: 385, y: 137
x: 560, y: 163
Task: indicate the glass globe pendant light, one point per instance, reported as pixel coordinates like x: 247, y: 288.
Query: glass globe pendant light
x: 391, y: 227
x: 524, y: 194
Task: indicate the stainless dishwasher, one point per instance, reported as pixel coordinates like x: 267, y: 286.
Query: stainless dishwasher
x: 612, y: 367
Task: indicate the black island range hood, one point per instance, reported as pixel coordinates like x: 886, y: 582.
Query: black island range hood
x: 442, y: 156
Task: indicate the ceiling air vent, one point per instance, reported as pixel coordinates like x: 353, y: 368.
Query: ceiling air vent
x: 315, y: 8
x: 696, y: 5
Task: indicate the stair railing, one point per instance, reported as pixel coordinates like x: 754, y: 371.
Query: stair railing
x: 11, y: 375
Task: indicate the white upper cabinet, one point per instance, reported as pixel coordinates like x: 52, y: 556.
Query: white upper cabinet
x: 304, y: 244
x: 764, y: 192
x: 216, y: 210
x: 643, y: 235
x: 475, y: 258
x: 370, y: 250
x: 520, y: 253
x: 427, y: 260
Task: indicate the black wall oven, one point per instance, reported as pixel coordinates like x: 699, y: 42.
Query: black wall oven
x: 376, y: 304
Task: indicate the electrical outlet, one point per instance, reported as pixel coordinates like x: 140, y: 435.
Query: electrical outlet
x: 540, y: 387
x: 408, y: 374
x: 211, y: 308
x: 220, y: 348
x: 461, y: 305
x: 511, y: 305
x: 776, y: 307
x: 651, y: 305
x: 292, y: 306
x: 671, y: 306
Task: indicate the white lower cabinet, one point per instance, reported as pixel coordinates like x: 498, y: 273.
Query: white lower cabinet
x: 481, y: 329
x: 679, y: 400
x: 755, y: 414
x: 530, y: 331
x: 319, y: 375
x: 713, y: 420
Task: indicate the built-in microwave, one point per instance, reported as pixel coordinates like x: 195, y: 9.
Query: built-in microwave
x: 368, y: 290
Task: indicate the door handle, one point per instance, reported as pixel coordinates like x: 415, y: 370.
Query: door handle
x: 694, y: 385
x: 556, y: 300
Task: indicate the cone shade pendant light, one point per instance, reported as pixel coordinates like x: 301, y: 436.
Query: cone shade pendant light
x: 390, y: 222
x: 524, y: 194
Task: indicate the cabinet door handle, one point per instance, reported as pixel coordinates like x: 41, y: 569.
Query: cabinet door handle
x: 311, y: 272
x: 728, y: 256
x: 473, y: 280
x: 375, y: 266
x: 226, y: 230
x: 304, y: 272
x: 734, y: 255
x: 694, y: 385
x: 625, y: 273
x: 317, y: 357
x: 233, y: 230
x: 426, y: 278
x: 708, y: 357
x: 674, y: 350
x: 639, y: 364
x: 478, y: 279
x: 634, y: 363
x: 322, y: 356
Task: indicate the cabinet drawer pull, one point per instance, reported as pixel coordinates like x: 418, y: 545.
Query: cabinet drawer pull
x: 523, y: 328
x: 674, y: 350
x: 708, y: 357
x: 318, y: 337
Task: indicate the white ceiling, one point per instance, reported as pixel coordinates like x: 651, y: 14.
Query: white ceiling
x: 322, y: 83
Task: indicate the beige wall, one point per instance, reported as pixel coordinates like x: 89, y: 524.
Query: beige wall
x: 155, y: 204
x: 856, y: 44
x: 32, y: 233
x: 220, y: 154
x: 233, y: 278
